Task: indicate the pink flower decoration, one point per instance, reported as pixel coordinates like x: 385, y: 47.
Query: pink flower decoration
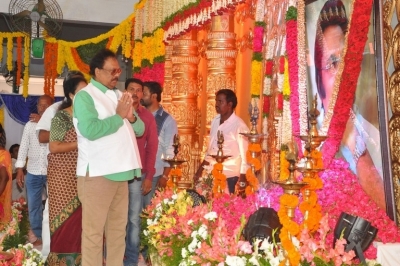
x: 258, y: 39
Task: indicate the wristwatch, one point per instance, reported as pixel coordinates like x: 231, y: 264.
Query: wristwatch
x: 242, y: 184
x: 165, y: 177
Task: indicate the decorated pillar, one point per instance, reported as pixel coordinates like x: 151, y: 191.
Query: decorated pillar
x: 183, y: 94
x: 221, y: 55
x: 166, y: 99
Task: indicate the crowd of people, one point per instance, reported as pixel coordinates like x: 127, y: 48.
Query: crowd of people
x: 98, y: 155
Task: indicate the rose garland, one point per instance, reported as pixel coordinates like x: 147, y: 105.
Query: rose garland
x: 292, y: 50
x: 289, y: 227
x: 357, y: 37
x: 219, y: 184
x: 252, y: 181
x: 256, y: 63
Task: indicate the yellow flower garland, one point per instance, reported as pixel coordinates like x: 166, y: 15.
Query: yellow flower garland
x: 10, y: 46
x: 137, y: 54
x: 2, y: 115
x: 27, y: 59
x: 120, y: 36
x: 256, y: 78
x: 284, y: 166
x: 286, y: 85
x: 1, y: 47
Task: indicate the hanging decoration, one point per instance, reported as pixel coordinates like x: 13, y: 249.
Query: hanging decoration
x: 19, y: 61
x: 20, y: 37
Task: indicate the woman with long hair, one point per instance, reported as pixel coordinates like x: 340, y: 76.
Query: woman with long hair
x: 65, y: 212
x: 5, y: 181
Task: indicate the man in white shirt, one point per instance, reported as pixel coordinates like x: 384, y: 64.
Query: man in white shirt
x: 36, y: 176
x: 235, y: 145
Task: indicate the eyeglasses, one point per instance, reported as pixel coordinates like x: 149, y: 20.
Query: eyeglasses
x: 113, y: 72
x: 332, y: 64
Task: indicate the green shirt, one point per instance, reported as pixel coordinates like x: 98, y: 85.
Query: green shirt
x: 92, y: 128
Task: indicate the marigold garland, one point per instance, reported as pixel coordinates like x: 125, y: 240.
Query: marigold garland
x: 256, y: 78
x: 2, y: 114
x: 19, y: 60
x: 174, y: 173
x: 1, y: 48
x: 252, y: 181
x: 50, y: 63
x: 284, y: 166
x: 82, y: 66
x: 289, y: 227
x: 27, y: 59
x: 10, y: 46
x: 219, y: 183
x: 310, y: 208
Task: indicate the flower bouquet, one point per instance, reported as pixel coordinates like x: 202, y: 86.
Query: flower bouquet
x: 24, y: 255
x: 16, y: 231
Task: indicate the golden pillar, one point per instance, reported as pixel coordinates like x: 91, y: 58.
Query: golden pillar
x: 221, y: 55
x: 183, y: 92
x: 166, y: 95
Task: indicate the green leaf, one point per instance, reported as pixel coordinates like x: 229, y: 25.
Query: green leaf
x: 88, y: 51
x: 291, y: 14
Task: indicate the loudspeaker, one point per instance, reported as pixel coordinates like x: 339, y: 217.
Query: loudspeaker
x: 359, y: 233
x: 261, y: 225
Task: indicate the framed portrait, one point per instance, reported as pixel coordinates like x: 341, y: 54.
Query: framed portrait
x: 364, y: 142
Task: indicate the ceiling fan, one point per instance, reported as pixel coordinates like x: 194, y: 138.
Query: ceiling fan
x: 35, y: 16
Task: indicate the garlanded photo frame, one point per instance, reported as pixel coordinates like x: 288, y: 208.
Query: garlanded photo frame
x: 383, y: 114
x: 351, y: 97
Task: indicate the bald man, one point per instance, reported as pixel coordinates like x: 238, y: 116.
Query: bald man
x: 36, y: 176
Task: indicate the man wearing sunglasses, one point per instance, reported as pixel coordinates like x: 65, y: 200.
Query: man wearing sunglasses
x: 108, y: 157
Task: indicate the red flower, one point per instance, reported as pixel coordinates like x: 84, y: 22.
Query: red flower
x: 281, y: 64
x: 279, y: 99
x: 266, y: 104
x: 269, y: 66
